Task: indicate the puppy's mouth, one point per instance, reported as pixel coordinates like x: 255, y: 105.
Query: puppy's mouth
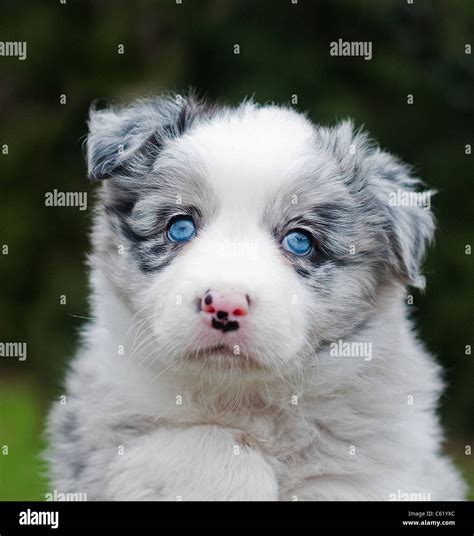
x: 220, y: 349
x: 223, y: 355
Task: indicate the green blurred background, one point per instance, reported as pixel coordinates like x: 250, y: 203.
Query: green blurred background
x: 73, y: 50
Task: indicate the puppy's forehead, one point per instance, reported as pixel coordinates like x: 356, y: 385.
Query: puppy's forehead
x: 249, y: 153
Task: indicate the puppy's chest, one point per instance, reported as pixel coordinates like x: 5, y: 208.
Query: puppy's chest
x: 285, y: 436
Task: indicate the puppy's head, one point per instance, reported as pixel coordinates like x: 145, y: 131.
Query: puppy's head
x: 247, y: 237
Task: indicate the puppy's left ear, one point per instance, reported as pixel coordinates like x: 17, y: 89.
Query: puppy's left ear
x: 397, y: 210
x: 408, y: 218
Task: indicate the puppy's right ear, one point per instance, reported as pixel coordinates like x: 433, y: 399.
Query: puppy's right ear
x: 115, y: 134
x: 122, y: 140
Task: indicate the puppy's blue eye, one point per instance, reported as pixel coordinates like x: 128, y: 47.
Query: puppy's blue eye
x: 298, y: 242
x: 181, y: 229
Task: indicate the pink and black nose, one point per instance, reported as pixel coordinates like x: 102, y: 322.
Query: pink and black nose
x: 225, y: 309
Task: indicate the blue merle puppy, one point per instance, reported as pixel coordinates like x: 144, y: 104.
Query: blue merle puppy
x: 250, y: 338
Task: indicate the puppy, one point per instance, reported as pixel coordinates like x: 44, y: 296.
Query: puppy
x: 250, y: 336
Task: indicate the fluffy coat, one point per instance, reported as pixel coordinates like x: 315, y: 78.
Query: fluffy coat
x: 160, y: 407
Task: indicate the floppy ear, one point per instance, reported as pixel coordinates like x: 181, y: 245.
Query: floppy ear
x: 392, y: 199
x: 124, y: 140
x: 410, y: 222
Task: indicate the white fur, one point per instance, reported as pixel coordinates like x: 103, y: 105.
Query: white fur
x: 150, y: 419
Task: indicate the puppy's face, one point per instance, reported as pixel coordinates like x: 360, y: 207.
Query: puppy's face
x: 247, y: 238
